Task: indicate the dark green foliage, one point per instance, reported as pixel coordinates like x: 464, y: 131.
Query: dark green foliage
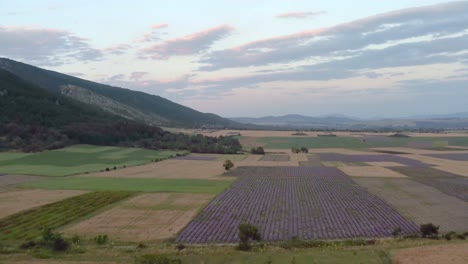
x: 101, y: 239
x: 304, y: 150
x: 157, y: 259
x: 228, y: 165
x: 299, y: 150
x: 258, y: 150
x: 396, y: 232
x: 303, y: 244
x: 429, y: 230
x: 50, y: 240
x: 75, y: 239
x: 180, y: 247
x: 461, y: 236
x: 399, y: 135
x: 248, y: 232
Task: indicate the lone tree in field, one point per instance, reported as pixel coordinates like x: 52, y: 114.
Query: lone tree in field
x: 295, y: 150
x: 246, y: 233
x: 228, y: 165
x: 258, y: 150
x: 304, y: 150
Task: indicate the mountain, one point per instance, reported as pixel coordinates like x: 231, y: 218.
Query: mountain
x: 129, y: 104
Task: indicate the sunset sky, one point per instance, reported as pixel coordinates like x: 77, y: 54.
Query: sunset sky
x: 256, y: 58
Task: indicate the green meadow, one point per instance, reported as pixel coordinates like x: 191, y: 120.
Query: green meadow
x: 77, y: 159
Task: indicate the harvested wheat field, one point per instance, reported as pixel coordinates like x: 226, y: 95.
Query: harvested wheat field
x: 385, y: 164
x: 452, y: 166
x: 339, y: 151
x: 17, y: 201
x: 446, y: 254
x: 170, y: 169
x: 420, y: 203
x: 370, y: 171
x: 147, y: 217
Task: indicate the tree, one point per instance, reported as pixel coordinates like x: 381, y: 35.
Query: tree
x: 246, y: 233
x: 258, y: 150
x: 429, y: 230
x: 228, y: 165
x: 304, y: 150
x: 295, y: 150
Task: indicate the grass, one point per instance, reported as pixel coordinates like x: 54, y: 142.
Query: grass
x: 132, y: 185
x: 77, y: 159
x: 352, y: 142
x: 29, y: 224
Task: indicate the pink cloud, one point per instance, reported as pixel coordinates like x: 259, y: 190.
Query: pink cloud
x: 159, y: 26
x: 300, y: 15
x: 189, y: 44
x: 117, y: 49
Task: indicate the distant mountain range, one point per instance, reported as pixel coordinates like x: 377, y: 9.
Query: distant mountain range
x: 447, y: 121
x: 129, y: 104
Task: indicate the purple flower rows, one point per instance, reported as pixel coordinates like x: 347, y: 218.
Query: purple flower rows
x: 196, y: 158
x: 304, y: 202
x: 371, y: 158
x: 451, y: 156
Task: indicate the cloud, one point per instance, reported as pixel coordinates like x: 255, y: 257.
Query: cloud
x: 357, y: 37
x: 188, y: 45
x: 300, y: 15
x: 118, y: 49
x: 42, y: 46
x: 159, y: 26
x: 137, y: 75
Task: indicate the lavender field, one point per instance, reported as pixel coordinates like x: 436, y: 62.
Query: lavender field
x: 287, y: 202
x: 371, y: 158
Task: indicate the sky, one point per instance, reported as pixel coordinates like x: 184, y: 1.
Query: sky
x: 357, y: 58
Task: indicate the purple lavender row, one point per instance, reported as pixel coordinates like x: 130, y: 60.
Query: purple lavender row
x: 371, y: 158
x: 309, y: 203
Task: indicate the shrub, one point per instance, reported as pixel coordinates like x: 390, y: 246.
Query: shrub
x: 180, y: 247
x: 295, y: 150
x: 258, y: 150
x: 107, y: 169
x: 246, y: 233
x: 304, y: 150
x: 228, y: 165
x: 101, y: 239
x: 115, y: 167
x: 461, y: 236
x: 396, y: 232
x: 60, y: 244
x: 75, y: 239
x: 156, y: 259
x: 429, y: 230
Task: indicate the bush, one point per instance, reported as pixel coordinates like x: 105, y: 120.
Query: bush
x: 49, y: 239
x: 258, y: 150
x: 60, y: 244
x: 107, y: 169
x: 429, y: 230
x: 75, y: 239
x: 228, y: 165
x: 304, y: 150
x: 450, y: 235
x: 396, y: 232
x: 461, y: 236
x: 246, y: 233
x: 101, y: 239
x: 155, y: 259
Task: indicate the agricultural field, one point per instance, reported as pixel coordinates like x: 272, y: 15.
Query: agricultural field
x: 16, y: 201
x: 287, y: 202
x: 450, y: 254
x: 371, y: 158
x: 185, y: 167
x: 77, y: 159
x: 132, y: 185
x: 370, y: 171
x: 146, y: 217
x: 9, y: 181
x: 420, y: 203
x: 29, y: 224
x: 448, y: 183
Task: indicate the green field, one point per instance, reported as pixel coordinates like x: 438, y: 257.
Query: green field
x: 353, y: 142
x: 132, y: 185
x: 29, y: 224
x: 77, y: 159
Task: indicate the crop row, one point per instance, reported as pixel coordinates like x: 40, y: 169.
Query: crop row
x: 371, y: 158
x: 303, y: 202
x: 29, y: 224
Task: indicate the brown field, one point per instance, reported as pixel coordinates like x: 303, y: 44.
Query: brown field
x: 385, y: 164
x: 340, y: 151
x: 17, y: 201
x: 420, y: 203
x: 298, y: 157
x: 170, y: 169
x: 416, y: 151
x: 255, y: 160
x: 48, y: 261
x: 441, y: 254
x: 147, y: 217
x: 370, y: 171
x: 343, y: 164
x: 452, y: 166
x: 7, y: 181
